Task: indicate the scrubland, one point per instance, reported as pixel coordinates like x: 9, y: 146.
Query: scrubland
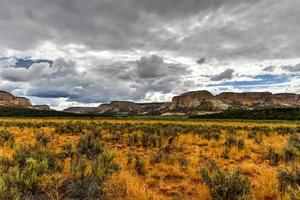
x: 136, y: 159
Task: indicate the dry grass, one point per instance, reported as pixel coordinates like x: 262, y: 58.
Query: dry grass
x: 168, y: 179
x: 126, y: 186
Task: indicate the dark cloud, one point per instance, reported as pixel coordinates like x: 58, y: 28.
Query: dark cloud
x: 176, y: 31
x: 201, y: 61
x: 295, y: 68
x: 17, y: 74
x: 131, y: 80
x: 227, y: 74
x: 137, y: 25
x: 269, y: 69
x: 27, y: 62
x: 151, y: 67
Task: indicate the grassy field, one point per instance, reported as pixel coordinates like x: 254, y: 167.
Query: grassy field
x: 137, y: 159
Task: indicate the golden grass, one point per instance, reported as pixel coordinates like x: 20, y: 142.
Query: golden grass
x: 169, y: 180
x: 126, y: 186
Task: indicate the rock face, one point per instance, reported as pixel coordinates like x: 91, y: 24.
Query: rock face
x: 247, y: 99
x: 225, y: 100
x: 40, y: 107
x: 260, y: 99
x: 121, y: 107
x: 82, y: 110
x: 197, y: 100
x: 286, y: 100
x: 7, y: 99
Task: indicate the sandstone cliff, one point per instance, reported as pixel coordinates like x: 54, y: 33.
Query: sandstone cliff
x: 204, y: 100
x: 7, y: 99
x: 197, y: 102
x: 40, y: 107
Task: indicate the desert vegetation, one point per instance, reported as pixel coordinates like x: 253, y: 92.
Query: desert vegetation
x: 148, y: 159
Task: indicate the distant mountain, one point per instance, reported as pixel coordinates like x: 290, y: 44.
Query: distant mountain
x: 40, y: 107
x: 119, y: 107
x: 82, y: 110
x: 9, y: 100
x: 204, y: 101
x: 190, y: 103
x: 198, y: 102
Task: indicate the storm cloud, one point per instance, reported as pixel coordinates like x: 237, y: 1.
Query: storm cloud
x: 227, y: 74
x: 95, y: 51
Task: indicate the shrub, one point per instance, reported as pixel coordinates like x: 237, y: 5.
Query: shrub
x: 140, y: 166
x: 90, y: 146
x: 42, y: 138
x: 23, y: 183
x: 230, y: 141
x: 130, y: 157
x: 292, y: 150
x: 225, y: 186
x: 257, y: 137
x: 133, y: 139
x: 240, y: 144
x: 5, y: 164
x: 157, y: 157
x: 293, y: 193
x: 38, y: 153
x: 289, y: 178
x: 6, y: 138
x: 71, y: 127
x: 273, y: 156
x: 183, y: 161
x: 67, y: 151
x: 88, y: 177
x: 225, y: 153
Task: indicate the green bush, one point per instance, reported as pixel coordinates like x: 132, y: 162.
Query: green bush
x: 292, y: 150
x: 67, y: 151
x: 5, y: 164
x: 230, y: 141
x: 24, y: 183
x: 225, y: 186
x: 273, y: 156
x: 36, y: 152
x: 225, y: 153
x: 42, y: 138
x: 289, y: 178
x: 293, y: 193
x: 140, y: 166
x: 90, y: 146
x: 6, y: 138
x: 86, y: 183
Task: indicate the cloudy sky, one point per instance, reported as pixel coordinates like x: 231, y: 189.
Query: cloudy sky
x: 74, y: 52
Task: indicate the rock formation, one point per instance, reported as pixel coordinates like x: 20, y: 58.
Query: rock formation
x: 82, y: 110
x: 7, y: 99
x: 128, y: 107
x: 40, y: 107
x: 197, y: 102
x: 225, y: 100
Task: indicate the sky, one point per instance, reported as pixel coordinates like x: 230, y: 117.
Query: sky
x: 83, y: 53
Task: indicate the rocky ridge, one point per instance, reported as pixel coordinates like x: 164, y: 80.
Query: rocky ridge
x: 197, y: 102
x: 7, y: 99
